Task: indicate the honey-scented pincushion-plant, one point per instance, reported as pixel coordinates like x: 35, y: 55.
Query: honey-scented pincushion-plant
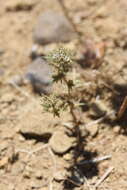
x: 62, y: 61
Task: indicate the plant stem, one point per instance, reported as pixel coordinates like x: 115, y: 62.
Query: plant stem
x: 75, y: 121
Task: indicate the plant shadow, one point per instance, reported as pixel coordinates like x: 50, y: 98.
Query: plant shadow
x: 117, y: 101
x: 81, y: 168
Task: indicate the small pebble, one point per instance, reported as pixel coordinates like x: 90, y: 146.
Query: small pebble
x: 17, y: 80
x: 68, y: 157
x: 93, y: 129
x: 60, y: 142
x: 38, y: 174
x: 59, y: 175
x: 19, y: 5
x: 116, y: 129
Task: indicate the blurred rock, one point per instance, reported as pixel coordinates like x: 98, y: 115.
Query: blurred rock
x: 99, y: 108
x: 1, y: 72
x: 60, y: 175
x: 92, y: 129
x: 116, y: 129
x: 3, y: 162
x: 68, y: 157
x: 121, y: 41
x: 18, y: 5
x: 39, y: 174
x: 33, y: 54
x: 2, y: 51
x: 7, y: 98
x: 60, y: 142
x: 39, y: 74
x: 16, y: 80
x: 93, y: 53
x: 28, y: 172
x: 101, y: 12
x: 3, y: 146
x: 92, y: 2
x: 39, y: 128
x: 53, y: 27
x: 78, y: 176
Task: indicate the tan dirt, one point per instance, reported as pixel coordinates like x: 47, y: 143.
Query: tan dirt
x: 98, y: 20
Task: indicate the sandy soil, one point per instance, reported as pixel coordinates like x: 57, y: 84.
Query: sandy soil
x: 98, y: 20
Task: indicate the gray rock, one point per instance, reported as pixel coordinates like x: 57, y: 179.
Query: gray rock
x: 39, y: 74
x: 53, y: 27
x: 60, y: 142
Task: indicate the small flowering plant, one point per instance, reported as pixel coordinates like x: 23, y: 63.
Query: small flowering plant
x: 62, y: 62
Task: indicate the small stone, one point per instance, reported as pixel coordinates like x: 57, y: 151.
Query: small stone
x: 116, y: 129
x: 59, y: 175
x: 21, y: 138
x: 92, y: 2
x: 78, y: 176
x: 19, y: 5
x: 119, y: 80
x: 17, y: 129
x: 33, y: 51
x: 28, y: 172
x: 60, y: 142
x: 38, y: 174
x: 3, y: 146
x: 3, y: 162
x: 93, y: 129
x: 34, y: 184
x: 67, y: 157
x: 16, y: 80
x: 122, y: 39
x: 101, y: 12
x: 37, y: 127
x: 99, y: 108
x: 53, y: 27
x: 39, y: 74
x: 7, y: 98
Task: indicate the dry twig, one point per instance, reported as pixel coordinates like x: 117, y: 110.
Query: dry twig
x: 122, y: 109
x: 106, y: 174
x: 95, y: 160
x: 100, y: 119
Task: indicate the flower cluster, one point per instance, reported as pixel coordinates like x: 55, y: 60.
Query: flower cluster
x: 61, y: 60
x: 53, y: 104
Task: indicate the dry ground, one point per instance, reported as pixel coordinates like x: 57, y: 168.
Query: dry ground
x: 101, y: 20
